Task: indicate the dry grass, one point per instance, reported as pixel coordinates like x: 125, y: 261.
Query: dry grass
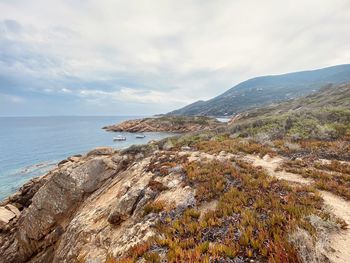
x: 234, y: 146
x: 154, y: 207
x: 333, y: 150
x: 157, y: 186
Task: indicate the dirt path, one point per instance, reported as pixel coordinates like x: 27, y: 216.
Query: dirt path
x: 270, y: 164
x: 340, y: 242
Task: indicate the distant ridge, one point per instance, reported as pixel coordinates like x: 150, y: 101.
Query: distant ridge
x: 261, y: 91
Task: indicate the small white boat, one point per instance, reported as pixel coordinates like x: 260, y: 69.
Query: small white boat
x: 119, y: 138
x: 140, y: 136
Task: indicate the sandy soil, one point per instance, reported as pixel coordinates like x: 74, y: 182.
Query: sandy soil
x: 270, y: 164
x: 340, y: 242
x: 206, y: 207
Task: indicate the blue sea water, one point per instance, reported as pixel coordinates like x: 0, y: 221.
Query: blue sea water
x: 31, y: 146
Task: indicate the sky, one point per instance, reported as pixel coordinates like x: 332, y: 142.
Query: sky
x: 99, y: 57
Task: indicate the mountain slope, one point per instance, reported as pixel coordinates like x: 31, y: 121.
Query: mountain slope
x: 265, y: 90
x: 328, y: 97
x: 322, y: 115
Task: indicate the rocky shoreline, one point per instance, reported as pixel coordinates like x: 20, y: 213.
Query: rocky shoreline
x: 89, y: 206
x: 51, y: 218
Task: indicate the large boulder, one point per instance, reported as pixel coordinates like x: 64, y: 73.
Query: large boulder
x: 60, y: 195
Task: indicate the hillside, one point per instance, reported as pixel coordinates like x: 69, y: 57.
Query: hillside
x: 273, y: 186
x: 323, y: 115
x: 265, y: 90
x: 333, y: 96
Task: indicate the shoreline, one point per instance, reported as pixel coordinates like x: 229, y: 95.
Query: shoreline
x: 25, y: 174
x: 178, y: 126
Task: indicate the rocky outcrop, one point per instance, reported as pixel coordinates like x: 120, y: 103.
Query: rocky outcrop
x: 87, y: 208
x: 166, y: 124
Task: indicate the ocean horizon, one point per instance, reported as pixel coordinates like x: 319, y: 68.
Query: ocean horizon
x: 32, y: 145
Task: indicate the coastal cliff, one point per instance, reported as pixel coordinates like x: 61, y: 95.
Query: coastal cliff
x: 166, y: 124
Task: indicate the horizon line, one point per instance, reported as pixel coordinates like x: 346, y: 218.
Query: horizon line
x: 33, y: 116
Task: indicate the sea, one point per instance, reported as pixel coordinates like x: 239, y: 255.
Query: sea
x: 31, y: 146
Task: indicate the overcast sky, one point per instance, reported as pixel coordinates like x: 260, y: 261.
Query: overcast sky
x: 97, y: 57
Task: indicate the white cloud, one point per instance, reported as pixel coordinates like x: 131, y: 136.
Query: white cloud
x: 167, y: 50
x: 65, y: 90
x: 12, y: 99
x: 16, y: 99
x: 134, y: 96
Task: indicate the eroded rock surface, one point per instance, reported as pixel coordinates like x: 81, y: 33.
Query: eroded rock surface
x: 87, y: 208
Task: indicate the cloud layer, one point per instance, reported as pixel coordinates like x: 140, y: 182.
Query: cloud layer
x: 145, y: 57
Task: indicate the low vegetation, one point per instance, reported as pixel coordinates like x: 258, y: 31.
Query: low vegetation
x: 254, y: 216
x: 209, y: 179
x: 324, y: 115
x: 154, y: 207
x: 326, y: 124
x: 234, y: 146
x: 183, y: 120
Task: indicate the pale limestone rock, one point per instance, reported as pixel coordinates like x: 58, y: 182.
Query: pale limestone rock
x: 168, y: 145
x: 6, y: 215
x: 266, y: 157
x: 222, y: 153
x: 178, y: 196
x: 182, y: 153
x: 171, y: 181
x: 125, y: 206
x: 13, y: 209
x: 74, y: 158
x: 185, y: 148
x: 90, y: 175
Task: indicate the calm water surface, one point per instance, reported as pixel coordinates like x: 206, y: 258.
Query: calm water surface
x: 30, y: 146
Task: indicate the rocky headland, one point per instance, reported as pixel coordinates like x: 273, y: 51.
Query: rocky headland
x: 178, y: 124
